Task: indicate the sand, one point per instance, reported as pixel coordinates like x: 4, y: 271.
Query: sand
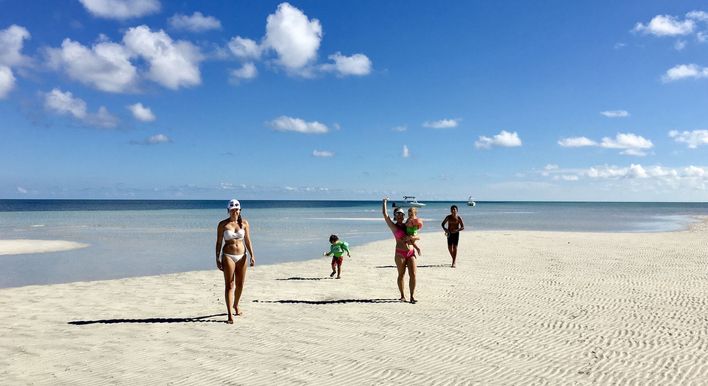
x: 24, y: 246
x: 521, y: 308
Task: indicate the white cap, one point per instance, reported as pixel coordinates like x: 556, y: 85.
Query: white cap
x: 397, y: 210
x: 233, y: 204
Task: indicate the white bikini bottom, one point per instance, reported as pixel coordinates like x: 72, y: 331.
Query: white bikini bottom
x: 234, y: 258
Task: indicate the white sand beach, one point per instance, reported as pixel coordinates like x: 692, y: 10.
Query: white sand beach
x: 521, y: 308
x: 24, y: 246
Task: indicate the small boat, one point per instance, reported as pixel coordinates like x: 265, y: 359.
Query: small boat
x: 409, y: 201
x: 470, y: 201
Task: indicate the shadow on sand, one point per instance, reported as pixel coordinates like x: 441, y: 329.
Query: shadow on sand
x: 418, y: 266
x: 196, y: 319
x: 306, y: 278
x: 320, y: 302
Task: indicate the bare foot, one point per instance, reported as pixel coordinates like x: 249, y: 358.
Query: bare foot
x: 230, y: 321
x: 237, y: 312
x: 413, y: 301
x: 332, y: 274
x: 453, y: 266
x: 402, y: 299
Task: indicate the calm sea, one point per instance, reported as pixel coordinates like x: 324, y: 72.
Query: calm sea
x: 147, y: 237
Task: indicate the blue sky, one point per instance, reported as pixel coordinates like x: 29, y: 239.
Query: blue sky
x: 513, y: 100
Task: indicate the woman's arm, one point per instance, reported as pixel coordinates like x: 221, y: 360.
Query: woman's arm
x: 219, y: 240
x: 390, y: 223
x: 247, y: 241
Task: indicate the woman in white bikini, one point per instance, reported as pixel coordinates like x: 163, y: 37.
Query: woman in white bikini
x: 233, y: 238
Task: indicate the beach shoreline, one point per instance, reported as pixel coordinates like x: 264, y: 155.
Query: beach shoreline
x: 522, y: 307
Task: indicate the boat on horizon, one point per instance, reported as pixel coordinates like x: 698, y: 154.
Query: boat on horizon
x: 471, y: 202
x: 409, y: 201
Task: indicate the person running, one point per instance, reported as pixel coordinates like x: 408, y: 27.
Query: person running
x: 405, y: 254
x: 337, y: 249
x: 233, y: 239
x: 452, y: 231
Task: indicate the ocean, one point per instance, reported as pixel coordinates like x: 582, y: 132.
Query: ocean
x: 129, y: 238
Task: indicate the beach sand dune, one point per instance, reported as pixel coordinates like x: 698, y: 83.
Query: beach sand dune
x: 521, y: 308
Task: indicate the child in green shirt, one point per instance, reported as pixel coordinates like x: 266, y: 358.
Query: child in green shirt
x: 337, y: 250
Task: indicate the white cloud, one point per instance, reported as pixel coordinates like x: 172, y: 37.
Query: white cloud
x: 680, y: 45
x: 141, y: 113
x: 64, y: 103
x: 11, y: 42
x: 666, y: 25
x: 357, y: 64
x: 7, y: 81
x: 195, y: 23
x: 21, y: 190
x: 406, y: 153
x: 247, y: 71
x: 284, y: 123
x: 442, y: 124
x: 615, y: 113
x: 684, y: 71
x: 153, y: 140
x: 244, y: 48
x: 121, y: 9
x: 322, y: 153
x: 698, y: 15
x: 577, y: 142
x: 293, y: 36
x: 692, y: 139
x: 503, y: 139
x: 400, y: 129
x: 631, y: 144
x: 106, y: 66
x: 172, y: 64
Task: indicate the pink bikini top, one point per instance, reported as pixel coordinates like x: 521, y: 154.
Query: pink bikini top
x: 399, y: 234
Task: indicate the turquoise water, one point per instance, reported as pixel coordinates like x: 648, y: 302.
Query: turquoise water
x: 136, y: 238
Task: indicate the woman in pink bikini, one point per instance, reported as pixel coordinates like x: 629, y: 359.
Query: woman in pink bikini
x: 233, y: 239
x: 405, y: 253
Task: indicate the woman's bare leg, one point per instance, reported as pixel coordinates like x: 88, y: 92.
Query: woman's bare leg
x: 412, y: 271
x: 401, y: 266
x: 229, y: 268
x: 239, y: 278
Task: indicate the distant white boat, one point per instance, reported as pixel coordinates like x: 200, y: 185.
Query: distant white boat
x: 470, y: 202
x: 410, y: 201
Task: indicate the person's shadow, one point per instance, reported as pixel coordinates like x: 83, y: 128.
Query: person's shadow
x: 306, y: 278
x: 324, y: 302
x: 418, y: 266
x: 195, y: 319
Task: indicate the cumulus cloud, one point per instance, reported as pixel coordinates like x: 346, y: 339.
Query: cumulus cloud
x: 105, y: 66
x: 153, y: 140
x: 577, y: 142
x: 615, y: 113
x: 631, y: 144
x: 7, y: 81
x: 698, y: 15
x: 141, y: 113
x: 172, y: 64
x: 64, y: 103
x: 294, y: 37
x: 503, y: 139
x: 692, y: 139
x: 685, y: 71
x: 285, y: 123
x: 442, y: 124
x: 322, y: 153
x: 357, y: 65
x: 247, y: 71
x: 11, y: 43
x: 666, y: 25
x: 245, y: 49
x: 121, y: 9
x: 406, y: 153
x: 194, y: 23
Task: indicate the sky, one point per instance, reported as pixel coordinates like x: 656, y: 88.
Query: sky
x: 513, y: 100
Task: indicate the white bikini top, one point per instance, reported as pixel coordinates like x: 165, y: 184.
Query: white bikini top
x: 231, y: 235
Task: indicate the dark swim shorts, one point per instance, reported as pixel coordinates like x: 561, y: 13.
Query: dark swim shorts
x: 453, y: 238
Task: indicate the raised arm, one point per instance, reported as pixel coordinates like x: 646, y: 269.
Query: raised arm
x: 247, y: 242
x: 389, y: 222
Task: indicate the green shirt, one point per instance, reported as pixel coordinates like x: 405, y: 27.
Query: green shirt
x: 337, y: 249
